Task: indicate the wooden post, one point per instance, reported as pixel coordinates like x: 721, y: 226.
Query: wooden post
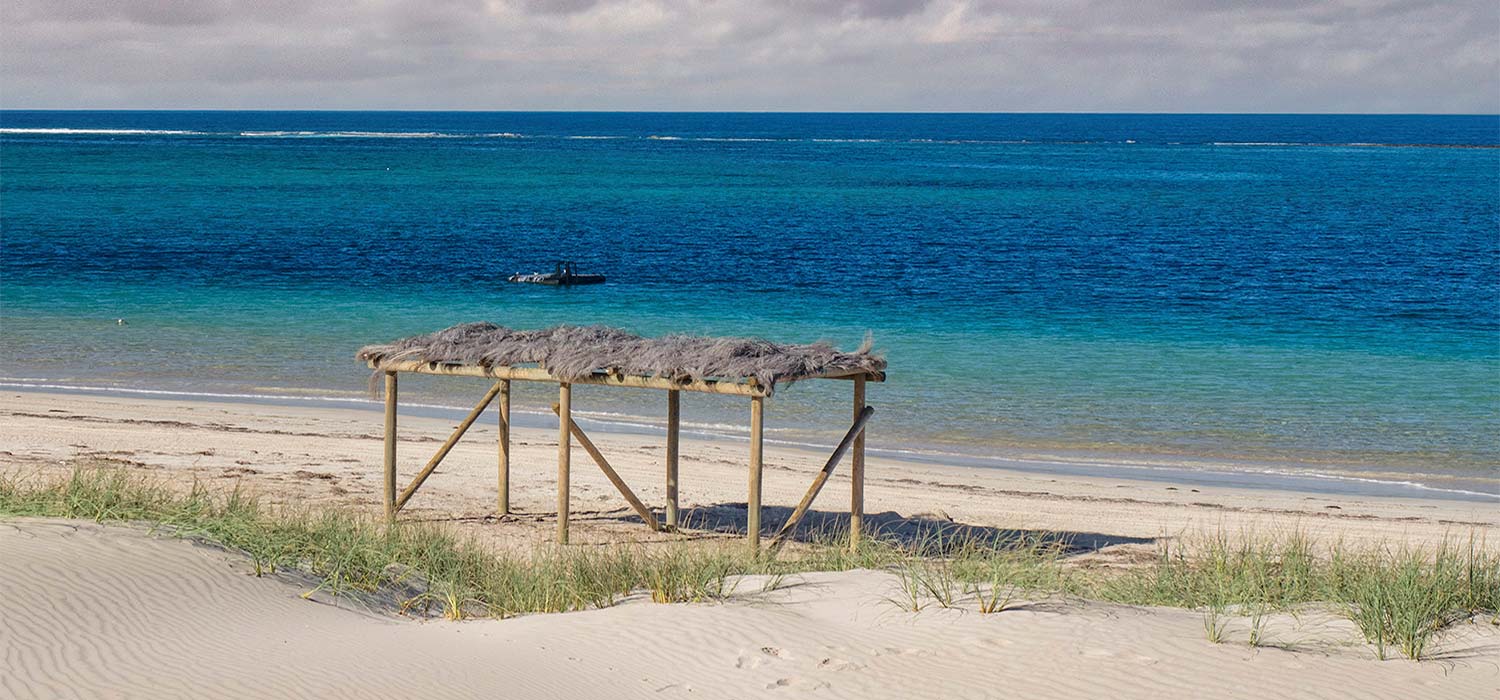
x: 752, y: 515
x: 390, y: 446
x: 857, y: 471
x: 503, y: 506
x: 564, y: 455
x: 442, y: 453
x: 674, y: 401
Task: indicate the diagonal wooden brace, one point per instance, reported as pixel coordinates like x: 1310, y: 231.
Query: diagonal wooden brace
x: 443, y: 451
x: 822, y: 478
x: 614, y: 478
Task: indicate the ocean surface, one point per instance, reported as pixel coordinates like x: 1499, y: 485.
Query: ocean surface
x: 1307, y: 296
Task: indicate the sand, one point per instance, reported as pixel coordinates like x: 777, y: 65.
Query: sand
x: 95, y: 611
x: 105, y: 611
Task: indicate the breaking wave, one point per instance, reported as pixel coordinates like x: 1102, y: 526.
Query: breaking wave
x: 312, y: 134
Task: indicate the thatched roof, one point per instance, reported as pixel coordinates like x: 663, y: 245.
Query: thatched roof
x: 574, y: 352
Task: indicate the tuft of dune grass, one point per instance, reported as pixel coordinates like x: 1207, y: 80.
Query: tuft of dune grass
x: 1400, y: 599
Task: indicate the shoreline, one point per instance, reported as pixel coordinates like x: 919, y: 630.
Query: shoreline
x: 1188, y: 471
x: 312, y: 455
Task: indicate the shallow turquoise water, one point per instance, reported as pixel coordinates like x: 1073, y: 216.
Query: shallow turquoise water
x: 1162, y: 290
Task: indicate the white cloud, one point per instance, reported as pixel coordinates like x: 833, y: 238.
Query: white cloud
x: 987, y: 55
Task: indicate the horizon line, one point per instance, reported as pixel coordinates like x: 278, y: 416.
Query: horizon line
x: 746, y: 111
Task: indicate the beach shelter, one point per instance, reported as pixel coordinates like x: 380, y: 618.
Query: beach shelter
x: 602, y: 356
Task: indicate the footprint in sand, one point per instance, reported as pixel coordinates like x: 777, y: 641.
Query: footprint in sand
x: 798, y: 683
x: 766, y: 655
x: 832, y: 664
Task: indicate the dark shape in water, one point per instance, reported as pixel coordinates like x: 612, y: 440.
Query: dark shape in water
x: 566, y: 273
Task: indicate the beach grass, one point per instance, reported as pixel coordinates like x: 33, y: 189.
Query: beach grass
x: 422, y: 568
x: 1400, y: 599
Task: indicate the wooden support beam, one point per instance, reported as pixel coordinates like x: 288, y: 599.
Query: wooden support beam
x: 432, y: 464
x: 538, y: 374
x: 390, y: 446
x: 614, y: 477
x: 857, y: 472
x: 564, y: 456
x: 674, y: 425
x: 855, y: 431
x: 503, y: 482
x: 752, y: 514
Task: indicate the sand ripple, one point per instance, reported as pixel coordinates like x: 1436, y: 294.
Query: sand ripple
x: 90, y: 611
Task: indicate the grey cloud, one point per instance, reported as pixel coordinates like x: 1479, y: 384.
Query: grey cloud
x: 558, y: 7
x: 884, y: 9
x: 159, y: 13
x: 989, y: 55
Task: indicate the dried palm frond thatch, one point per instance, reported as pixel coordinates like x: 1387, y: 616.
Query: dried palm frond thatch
x: 573, y: 352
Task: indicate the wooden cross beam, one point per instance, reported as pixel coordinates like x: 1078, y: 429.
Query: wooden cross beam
x: 822, y: 478
x: 614, y: 477
x: 738, y: 387
x: 442, y: 452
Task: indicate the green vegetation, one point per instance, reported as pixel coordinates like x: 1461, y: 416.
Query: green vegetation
x: 1400, y: 599
x: 426, y: 568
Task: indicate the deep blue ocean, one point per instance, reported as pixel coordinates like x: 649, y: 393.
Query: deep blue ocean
x: 1315, y: 295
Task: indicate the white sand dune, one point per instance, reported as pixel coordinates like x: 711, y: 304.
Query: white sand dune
x: 92, y: 611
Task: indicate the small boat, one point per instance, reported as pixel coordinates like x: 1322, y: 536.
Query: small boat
x: 565, y: 274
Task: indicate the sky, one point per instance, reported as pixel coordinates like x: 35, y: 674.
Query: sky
x: 754, y: 55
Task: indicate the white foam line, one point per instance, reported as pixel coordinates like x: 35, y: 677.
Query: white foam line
x: 626, y: 418
x: 725, y: 432
x: 201, y: 394
x: 1363, y: 479
x: 1259, y: 143
x: 106, y: 132
x: 295, y: 134
x: 703, y: 430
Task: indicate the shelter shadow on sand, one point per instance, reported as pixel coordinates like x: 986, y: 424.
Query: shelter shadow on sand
x: 923, y: 529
